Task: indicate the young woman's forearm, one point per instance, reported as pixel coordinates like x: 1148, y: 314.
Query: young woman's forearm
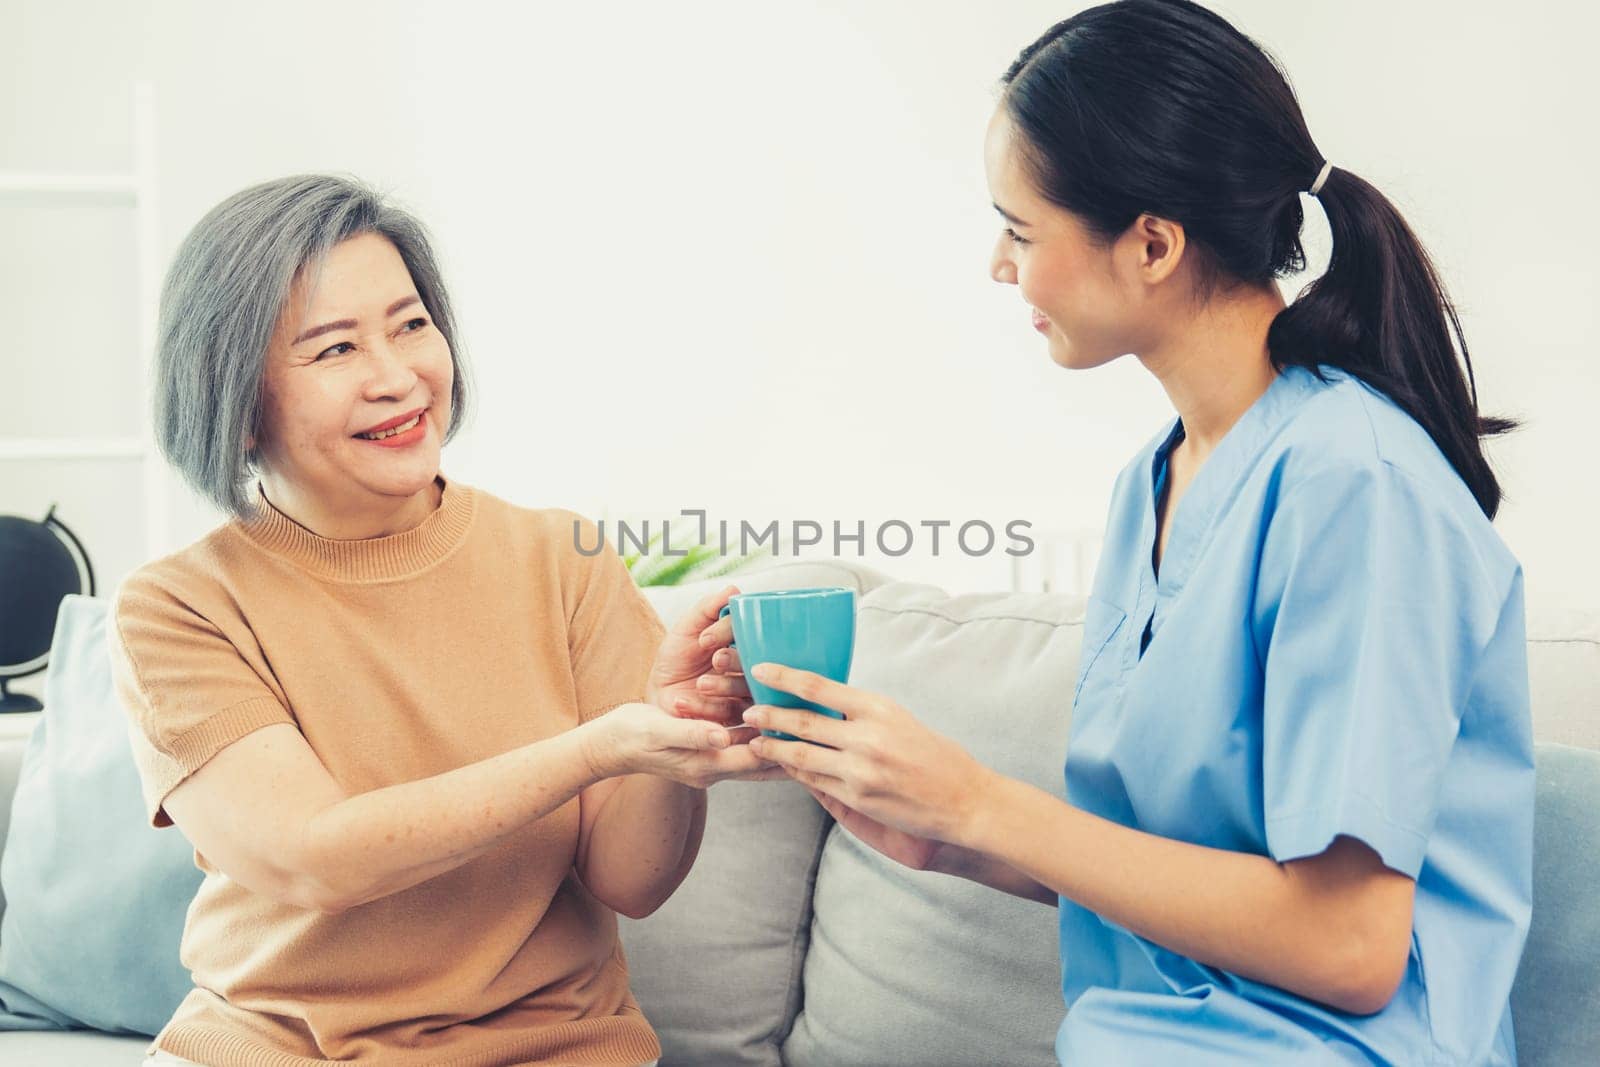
x: 1243, y: 913
x: 377, y: 843
x: 995, y: 873
x: 643, y: 843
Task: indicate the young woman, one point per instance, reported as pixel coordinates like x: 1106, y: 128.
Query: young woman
x: 412, y: 732
x: 1299, y: 782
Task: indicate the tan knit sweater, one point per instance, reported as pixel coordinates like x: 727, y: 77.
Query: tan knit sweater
x: 398, y: 658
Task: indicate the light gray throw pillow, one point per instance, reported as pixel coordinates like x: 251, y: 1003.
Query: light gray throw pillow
x: 926, y: 970
x: 96, y: 899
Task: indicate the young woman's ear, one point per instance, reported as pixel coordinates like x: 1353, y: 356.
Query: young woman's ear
x: 1161, y: 243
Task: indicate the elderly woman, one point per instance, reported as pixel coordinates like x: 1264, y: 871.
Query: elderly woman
x: 416, y: 738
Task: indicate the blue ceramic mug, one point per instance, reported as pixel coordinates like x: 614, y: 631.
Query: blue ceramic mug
x: 809, y: 629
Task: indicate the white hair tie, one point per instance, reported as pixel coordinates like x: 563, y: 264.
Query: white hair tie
x: 1316, y: 186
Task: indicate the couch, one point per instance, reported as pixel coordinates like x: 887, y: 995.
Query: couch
x: 791, y: 944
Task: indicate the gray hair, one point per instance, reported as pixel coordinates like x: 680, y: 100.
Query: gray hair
x: 224, y: 293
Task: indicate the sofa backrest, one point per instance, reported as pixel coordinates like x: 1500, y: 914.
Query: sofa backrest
x: 1564, y: 677
x: 907, y: 967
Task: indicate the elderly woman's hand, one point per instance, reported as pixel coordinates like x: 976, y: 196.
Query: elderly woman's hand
x: 878, y: 761
x: 696, y: 675
x: 644, y: 739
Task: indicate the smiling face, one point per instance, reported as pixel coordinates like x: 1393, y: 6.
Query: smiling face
x: 363, y: 351
x: 1092, y: 303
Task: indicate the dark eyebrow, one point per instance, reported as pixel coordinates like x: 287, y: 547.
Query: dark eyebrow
x: 350, y: 324
x: 1009, y: 217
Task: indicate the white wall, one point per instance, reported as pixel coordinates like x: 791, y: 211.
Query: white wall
x: 733, y: 256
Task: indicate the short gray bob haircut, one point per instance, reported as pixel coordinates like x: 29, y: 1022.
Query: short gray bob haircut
x: 223, y: 294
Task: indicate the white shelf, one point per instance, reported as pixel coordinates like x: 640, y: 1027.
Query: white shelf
x: 31, y: 448
x: 118, y: 186
x: 135, y: 189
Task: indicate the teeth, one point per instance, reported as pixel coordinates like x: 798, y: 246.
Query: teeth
x: 402, y: 428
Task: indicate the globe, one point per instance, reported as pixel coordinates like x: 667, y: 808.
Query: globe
x: 40, y: 563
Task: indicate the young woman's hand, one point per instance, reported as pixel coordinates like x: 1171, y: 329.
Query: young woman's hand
x: 644, y: 739
x: 696, y: 674
x: 878, y: 760
x: 929, y: 854
x: 909, y: 850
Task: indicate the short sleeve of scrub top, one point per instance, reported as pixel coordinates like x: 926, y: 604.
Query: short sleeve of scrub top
x: 1334, y: 646
x: 1370, y: 618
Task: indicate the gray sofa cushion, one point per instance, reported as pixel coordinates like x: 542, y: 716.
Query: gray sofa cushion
x: 924, y: 969
x: 1564, y: 677
x: 1555, y: 1004
x: 717, y: 969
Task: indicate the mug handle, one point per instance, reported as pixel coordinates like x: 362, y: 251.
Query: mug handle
x: 779, y: 734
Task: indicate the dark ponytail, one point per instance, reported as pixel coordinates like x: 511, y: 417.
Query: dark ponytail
x: 1161, y: 106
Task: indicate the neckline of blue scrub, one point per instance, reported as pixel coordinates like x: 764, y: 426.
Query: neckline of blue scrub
x: 1163, y: 465
x: 1209, y: 488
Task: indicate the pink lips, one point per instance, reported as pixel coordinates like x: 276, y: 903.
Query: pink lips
x: 396, y: 421
x: 402, y: 440
x: 1040, y: 323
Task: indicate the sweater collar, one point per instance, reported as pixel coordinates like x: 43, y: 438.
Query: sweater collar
x: 371, y: 558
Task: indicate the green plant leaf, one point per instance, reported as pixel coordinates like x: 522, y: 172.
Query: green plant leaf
x: 676, y: 569
x: 696, y: 563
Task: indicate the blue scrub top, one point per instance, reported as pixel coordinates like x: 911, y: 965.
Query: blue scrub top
x: 1335, y: 646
